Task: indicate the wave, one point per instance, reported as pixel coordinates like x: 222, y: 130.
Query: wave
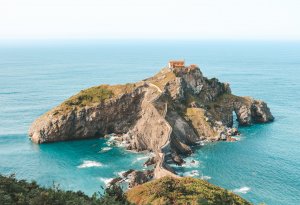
x: 201, y: 142
x: 205, y: 177
x: 142, y: 158
x: 9, y: 93
x: 105, y: 180
x: 138, y: 159
x: 88, y: 163
x: 113, y: 142
x: 120, y: 174
x: 122, y: 144
x: 192, y: 173
x: 237, y: 138
x: 105, y: 149
x: 242, y: 190
x: 191, y: 163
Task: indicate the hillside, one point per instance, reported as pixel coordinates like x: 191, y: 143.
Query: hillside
x: 188, y: 190
x: 21, y: 192
x: 158, y: 192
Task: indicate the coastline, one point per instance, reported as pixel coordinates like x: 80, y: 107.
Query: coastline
x: 262, y: 141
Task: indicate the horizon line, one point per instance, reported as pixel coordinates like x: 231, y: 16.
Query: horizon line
x: 150, y: 39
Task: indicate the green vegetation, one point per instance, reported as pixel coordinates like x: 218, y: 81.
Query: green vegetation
x: 197, y: 118
x: 182, y: 191
x: 162, y: 191
x: 162, y: 78
x: 94, y: 95
x: 20, y: 192
x: 90, y: 95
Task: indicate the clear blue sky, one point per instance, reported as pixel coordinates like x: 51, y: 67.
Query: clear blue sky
x: 157, y: 19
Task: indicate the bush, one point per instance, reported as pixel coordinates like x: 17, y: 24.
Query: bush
x: 184, y: 190
x: 20, y: 192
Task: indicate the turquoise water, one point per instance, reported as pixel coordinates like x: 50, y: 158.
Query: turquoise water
x: 263, y: 167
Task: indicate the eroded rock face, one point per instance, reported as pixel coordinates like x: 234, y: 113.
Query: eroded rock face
x: 114, y: 116
x: 139, y: 177
x: 165, y: 114
x: 150, y: 132
x: 251, y: 111
x: 206, y: 90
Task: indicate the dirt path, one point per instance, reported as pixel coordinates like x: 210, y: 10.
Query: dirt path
x: 160, y: 170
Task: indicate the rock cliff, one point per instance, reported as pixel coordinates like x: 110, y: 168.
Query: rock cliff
x: 165, y: 114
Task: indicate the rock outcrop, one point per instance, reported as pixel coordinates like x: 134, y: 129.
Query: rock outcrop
x: 139, y: 177
x: 165, y: 114
x: 133, y: 177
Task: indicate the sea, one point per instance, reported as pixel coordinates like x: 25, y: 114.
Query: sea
x: 35, y: 76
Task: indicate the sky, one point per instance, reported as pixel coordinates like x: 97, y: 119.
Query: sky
x: 154, y: 19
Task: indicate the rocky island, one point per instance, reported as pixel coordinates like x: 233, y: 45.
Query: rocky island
x: 165, y: 114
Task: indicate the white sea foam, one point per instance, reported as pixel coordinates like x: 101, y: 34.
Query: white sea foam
x: 122, y: 144
x: 191, y: 163
x: 120, y: 174
x: 105, y: 149
x: 205, y: 177
x: 112, y: 141
x: 108, y: 143
x: 131, y: 151
x: 192, y: 173
x: 237, y: 138
x: 138, y: 159
x: 105, y: 180
x: 142, y: 158
x: 201, y: 143
x: 242, y: 190
x: 88, y: 163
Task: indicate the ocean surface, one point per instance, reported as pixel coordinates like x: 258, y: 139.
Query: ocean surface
x: 36, y: 76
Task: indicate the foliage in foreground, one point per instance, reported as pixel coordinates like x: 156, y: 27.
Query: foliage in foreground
x: 185, y: 190
x: 20, y: 192
x: 158, y: 192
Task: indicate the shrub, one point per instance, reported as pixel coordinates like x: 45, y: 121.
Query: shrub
x: 20, y: 192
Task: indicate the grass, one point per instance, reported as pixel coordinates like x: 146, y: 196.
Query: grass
x: 90, y: 95
x: 94, y: 95
x: 190, y: 98
x: 185, y: 190
x: 162, y: 78
x: 198, y: 119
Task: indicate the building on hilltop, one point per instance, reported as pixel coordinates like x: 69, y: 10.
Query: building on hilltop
x: 180, y: 65
x: 176, y: 64
x: 194, y: 66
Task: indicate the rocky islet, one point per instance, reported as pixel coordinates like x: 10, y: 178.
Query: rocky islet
x: 165, y: 114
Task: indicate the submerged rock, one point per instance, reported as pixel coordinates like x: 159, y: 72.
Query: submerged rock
x: 165, y: 114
